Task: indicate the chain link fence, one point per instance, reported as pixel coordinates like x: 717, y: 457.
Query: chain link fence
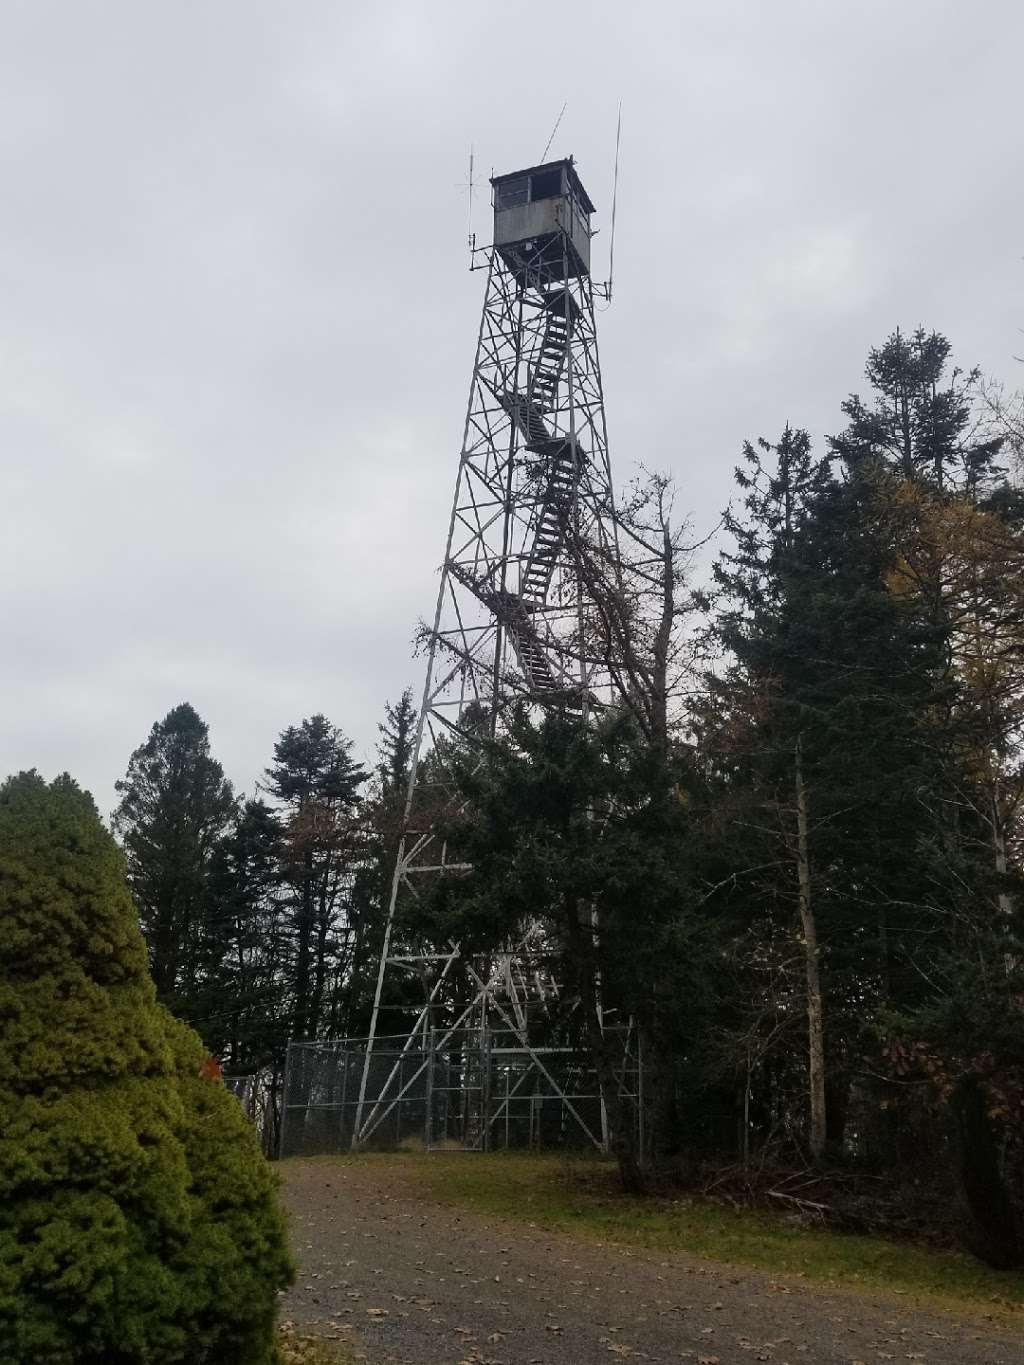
x: 470, y: 1089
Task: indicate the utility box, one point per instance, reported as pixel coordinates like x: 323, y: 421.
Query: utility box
x: 544, y: 212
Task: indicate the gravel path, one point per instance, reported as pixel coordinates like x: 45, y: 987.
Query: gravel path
x: 409, y: 1282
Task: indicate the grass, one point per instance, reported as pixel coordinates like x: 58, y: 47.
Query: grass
x: 582, y: 1198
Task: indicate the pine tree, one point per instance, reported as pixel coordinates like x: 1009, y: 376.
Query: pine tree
x: 317, y: 782
x: 138, y: 1221
x: 371, y: 892
x: 919, y: 424
x: 398, y: 735
x: 955, y: 529
x: 245, y: 1016
x: 831, y: 674
x: 175, y: 806
x: 863, y: 746
x: 585, y: 829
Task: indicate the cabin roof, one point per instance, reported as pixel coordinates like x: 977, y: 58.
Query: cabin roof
x: 570, y: 166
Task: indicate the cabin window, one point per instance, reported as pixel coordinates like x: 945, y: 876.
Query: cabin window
x: 546, y: 184
x: 512, y: 194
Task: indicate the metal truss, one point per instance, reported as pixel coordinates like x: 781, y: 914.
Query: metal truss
x: 474, y: 1087
x: 511, y: 619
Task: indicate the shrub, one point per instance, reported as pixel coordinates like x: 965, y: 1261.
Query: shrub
x: 138, y: 1221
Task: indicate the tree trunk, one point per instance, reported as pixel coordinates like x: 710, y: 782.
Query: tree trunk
x: 997, y: 1239
x: 621, y: 1139
x: 815, y: 1024
x: 164, y: 958
x: 303, y: 963
x: 999, y: 848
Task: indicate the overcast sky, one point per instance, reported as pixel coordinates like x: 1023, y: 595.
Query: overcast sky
x: 236, y: 324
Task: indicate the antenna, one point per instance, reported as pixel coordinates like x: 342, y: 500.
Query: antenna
x: 469, y: 186
x: 554, y: 130
x: 615, y: 200
x: 470, y: 198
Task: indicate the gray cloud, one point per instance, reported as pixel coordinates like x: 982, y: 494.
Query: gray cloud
x: 237, y: 326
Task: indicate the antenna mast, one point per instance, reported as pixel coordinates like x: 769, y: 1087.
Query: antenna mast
x: 554, y: 130
x: 615, y: 201
x: 471, y: 236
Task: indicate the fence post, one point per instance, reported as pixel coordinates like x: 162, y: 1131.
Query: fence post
x: 344, y: 1095
x: 285, y: 1086
x: 428, y: 1124
x: 640, y: 1099
x: 485, y: 1086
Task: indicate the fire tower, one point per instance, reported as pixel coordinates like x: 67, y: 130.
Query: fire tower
x: 510, y: 622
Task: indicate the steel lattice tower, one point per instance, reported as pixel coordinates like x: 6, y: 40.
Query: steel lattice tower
x: 534, y: 484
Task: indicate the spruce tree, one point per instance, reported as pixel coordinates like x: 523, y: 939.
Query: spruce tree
x: 919, y: 423
x: 316, y: 781
x: 588, y: 830
x: 244, y: 1007
x: 138, y: 1222
x: 818, y: 722
x: 371, y: 891
x: 175, y: 806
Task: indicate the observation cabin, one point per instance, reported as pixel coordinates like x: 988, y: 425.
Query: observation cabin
x: 538, y: 211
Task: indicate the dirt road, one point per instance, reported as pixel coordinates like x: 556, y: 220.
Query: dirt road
x: 403, y: 1279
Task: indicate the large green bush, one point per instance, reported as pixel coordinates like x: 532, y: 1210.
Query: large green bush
x: 138, y: 1221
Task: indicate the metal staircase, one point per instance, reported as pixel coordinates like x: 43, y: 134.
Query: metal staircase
x: 559, y: 459
x: 510, y: 610
x: 530, y: 651
x: 562, y: 312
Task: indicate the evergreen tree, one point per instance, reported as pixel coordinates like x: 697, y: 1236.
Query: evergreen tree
x: 398, y: 735
x: 586, y: 831
x: 831, y: 674
x: 175, y: 806
x: 919, y: 424
x: 138, y: 1221
x: 954, y: 526
x: 317, y: 782
x: 371, y: 892
x: 244, y: 1015
x: 863, y: 742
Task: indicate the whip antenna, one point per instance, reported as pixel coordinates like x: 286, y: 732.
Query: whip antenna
x: 554, y: 130
x: 615, y: 200
x: 469, y: 196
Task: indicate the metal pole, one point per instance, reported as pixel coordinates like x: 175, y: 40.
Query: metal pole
x: 284, y: 1100
x: 485, y: 1098
x: 344, y: 1091
x: 428, y: 1127
x: 640, y: 1091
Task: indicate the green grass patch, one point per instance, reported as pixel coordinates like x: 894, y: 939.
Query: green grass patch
x: 581, y: 1197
